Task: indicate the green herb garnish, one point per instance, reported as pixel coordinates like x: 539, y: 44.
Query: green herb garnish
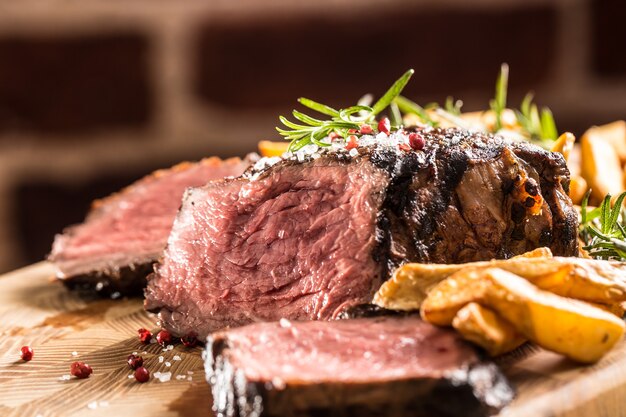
x: 453, y: 106
x: 539, y: 126
x: 498, y: 103
x: 312, y: 130
x: 536, y: 125
x: 409, y: 107
x: 603, y: 229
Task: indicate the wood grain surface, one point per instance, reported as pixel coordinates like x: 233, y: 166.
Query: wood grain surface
x: 62, y: 328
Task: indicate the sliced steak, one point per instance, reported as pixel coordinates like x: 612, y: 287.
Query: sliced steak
x: 306, y: 238
x: 385, y: 366
x: 112, y: 251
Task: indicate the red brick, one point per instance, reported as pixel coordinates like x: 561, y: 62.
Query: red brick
x: 609, y: 37
x: 336, y: 59
x: 74, y: 83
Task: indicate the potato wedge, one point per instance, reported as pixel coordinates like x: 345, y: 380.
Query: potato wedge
x: 452, y: 294
x: 573, y: 328
x: 485, y: 328
x: 410, y: 284
x: 577, y: 188
x: 564, y: 145
x: 601, y: 166
x: 270, y: 148
x: 536, y: 253
x: 615, y: 308
x: 615, y: 134
x: 584, y: 279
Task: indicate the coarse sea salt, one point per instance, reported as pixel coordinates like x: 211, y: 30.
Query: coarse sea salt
x: 163, y: 376
x: 177, y: 358
x: 64, y: 378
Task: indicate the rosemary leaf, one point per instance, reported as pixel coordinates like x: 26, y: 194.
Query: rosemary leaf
x: 318, y: 107
x: 395, y: 116
x: 407, y: 106
x: 548, y: 126
x: 307, y: 119
x: 498, y: 104
x: 393, y: 92
x: 453, y: 107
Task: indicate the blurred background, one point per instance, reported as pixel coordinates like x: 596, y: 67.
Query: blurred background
x: 95, y: 94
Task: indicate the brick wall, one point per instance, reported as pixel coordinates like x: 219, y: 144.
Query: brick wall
x: 94, y: 94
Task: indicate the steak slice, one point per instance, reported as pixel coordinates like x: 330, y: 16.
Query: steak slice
x: 113, y: 250
x: 310, y: 236
x: 385, y: 366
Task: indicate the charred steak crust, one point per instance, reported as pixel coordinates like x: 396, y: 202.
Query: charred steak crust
x: 466, y: 385
x: 425, y: 218
x: 306, y: 239
x: 122, y: 271
x: 128, y: 281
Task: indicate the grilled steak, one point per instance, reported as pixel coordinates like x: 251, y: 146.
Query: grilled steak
x: 385, y: 366
x: 307, y: 237
x: 113, y: 250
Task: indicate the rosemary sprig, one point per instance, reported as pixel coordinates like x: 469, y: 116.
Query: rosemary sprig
x: 540, y: 126
x: 535, y: 125
x: 453, y: 106
x: 409, y: 107
x: 313, y: 131
x: 603, y: 229
x: 498, y: 103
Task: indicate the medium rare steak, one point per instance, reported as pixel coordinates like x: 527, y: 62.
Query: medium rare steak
x: 310, y: 236
x: 385, y: 366
x: 112, y: 251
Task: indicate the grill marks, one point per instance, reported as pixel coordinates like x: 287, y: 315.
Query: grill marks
x: 456, y: 204
x: 306, y: 240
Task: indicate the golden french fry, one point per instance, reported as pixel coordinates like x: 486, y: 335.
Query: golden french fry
x: 584, y: 279
x: 601, y: 166
x: 564, y: 145
x: 615, y: 308
x: 570, y: 327
x: 577, y: 188
x: 536, y: 253
x: 615, y: 134
x: 487, y: 119
x: 270, y: 148
x: 410, y: 284
x: 485, y: 328
x: 452, y: 294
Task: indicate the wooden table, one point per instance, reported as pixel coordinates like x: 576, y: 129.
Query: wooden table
x: 62, y: 328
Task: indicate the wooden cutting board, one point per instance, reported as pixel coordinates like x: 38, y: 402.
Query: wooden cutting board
x: 62, y: 328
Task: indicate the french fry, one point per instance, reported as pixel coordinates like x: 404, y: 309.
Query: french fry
x: 615, y: 134
x: 536, y: 253
x: 485, y: 328
x: 615, y: 308
x: 270, y: 148
x: 583, y: 279
x: 600, y: 166
x: 577, y: 188
x: 564, y: 145
x: 573, y: 328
